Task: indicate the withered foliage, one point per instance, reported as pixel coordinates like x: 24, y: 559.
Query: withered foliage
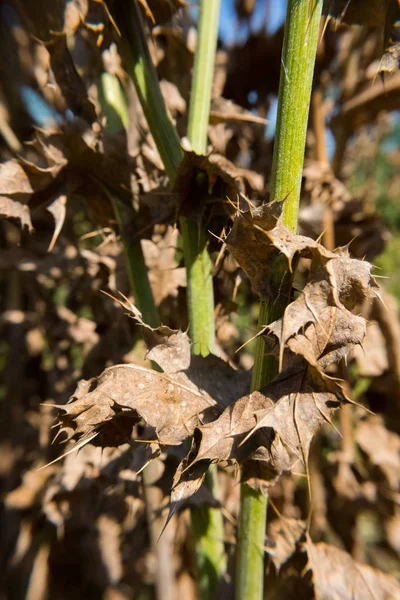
x: 109, y: 425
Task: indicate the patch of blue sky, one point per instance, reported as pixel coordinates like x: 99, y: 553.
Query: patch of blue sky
x: 230, y: 31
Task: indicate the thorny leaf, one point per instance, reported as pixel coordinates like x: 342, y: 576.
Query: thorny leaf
x: 169, y: 348
x: 204, y: 180
x: 336, y: 576
x: 258, y: 235
x: 171, y: 408
x: 269, y: 431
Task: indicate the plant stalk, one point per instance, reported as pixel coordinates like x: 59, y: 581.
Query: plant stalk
x: 297, y: 67
x: 207, y: 522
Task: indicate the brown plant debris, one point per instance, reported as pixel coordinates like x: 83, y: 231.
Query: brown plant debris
x: 269, y: 431
x: 336, y: 575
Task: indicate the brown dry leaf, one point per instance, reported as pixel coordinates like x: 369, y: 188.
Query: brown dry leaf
x: 194, y: 191
x: 134, y: 393
x: 164, y: 275
x: 251, y: 248
x: 169, y: 348
x: 318, y: 326
x: 12, y: 209
x: 13, y: 179
x: 270, y: 430
x: 258, y: 235
x: 381, y: 446
x: 287, y: 535
x: 336, y: 576
x: 267, y: 432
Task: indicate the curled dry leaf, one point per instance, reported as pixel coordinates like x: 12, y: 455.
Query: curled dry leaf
x: 286, y: 536
x: 336, y: 575
x: 12, y: 209
x: 173, y: 409
x: 269, y: 431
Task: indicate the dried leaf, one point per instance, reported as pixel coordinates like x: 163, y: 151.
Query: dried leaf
x: 12, y: 209
x: 381, y: 446
x: 269, y: 431
x: 169, y: 348
x: 171, y: 408
x: 374, y: 13
x: 336, y: 576
x: 287, y: 534
x: 164, y: 275
x: 13, y: 179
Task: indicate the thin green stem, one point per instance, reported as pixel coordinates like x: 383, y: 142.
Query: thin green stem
x: 197, y: 260
x: 207, y: 523
x: 298, y: 58
x: 200, y: 99
x: 143, y: 73
x: 114, y: 105
x: 136, y: 266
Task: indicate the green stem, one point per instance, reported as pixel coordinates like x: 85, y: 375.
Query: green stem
x: 207, y: 523
x: 298, y: 58
x: 198, y: 264
x: 200, y: 99
x: 137, y: 270
x: 143, y: 73
x: 115, y: 109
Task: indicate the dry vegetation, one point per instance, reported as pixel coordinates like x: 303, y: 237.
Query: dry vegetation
x: 85, y: 376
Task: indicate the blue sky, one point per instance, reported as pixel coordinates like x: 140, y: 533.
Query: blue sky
x: 229, y: 27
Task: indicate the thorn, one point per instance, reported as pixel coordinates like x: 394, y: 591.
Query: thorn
x: 74, y: 449
x: 327, y: 20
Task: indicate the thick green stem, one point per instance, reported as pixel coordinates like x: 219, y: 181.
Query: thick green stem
x: 298, y: 58
x: 207, y: 523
